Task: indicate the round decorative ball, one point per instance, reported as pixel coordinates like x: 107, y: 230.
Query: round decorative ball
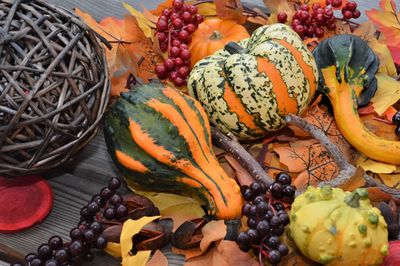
x: 54, y: 86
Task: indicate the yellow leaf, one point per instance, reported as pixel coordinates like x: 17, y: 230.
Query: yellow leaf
x: 179, y: 208
x: 114, y: 249
x: 374, y: 166
x: 205, y: 9
x: 387, y: 94
x: 386, y: 63
x: 390, y: 180
x: 144, y: 23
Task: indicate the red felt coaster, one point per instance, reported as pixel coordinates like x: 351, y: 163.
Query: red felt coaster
x: 24, y: 202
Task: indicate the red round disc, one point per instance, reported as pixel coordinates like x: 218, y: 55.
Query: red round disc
x: 24, y: 202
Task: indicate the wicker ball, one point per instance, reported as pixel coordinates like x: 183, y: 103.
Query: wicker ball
x: 54, y: 86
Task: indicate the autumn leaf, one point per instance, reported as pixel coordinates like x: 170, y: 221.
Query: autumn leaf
x: 242, y: 175
x: 164, y: 5
x: 230, y: 9
x: 276, y: 6
x: 224, y: 253
x: 307, y: 157
x: 122, y: 249
x: 158, y: 259
x: 387, y: 20
x: 131, y: 51
x: 212, y: 232
x: 380, y: 126
x: 354, y: 182
x: 321, y: 2
x: 387, y: 94
x: 179, y: 208
x: 143, y: 22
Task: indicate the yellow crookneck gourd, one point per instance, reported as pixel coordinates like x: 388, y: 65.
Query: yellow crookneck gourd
x: 347, y: 76
x: 338, y: 228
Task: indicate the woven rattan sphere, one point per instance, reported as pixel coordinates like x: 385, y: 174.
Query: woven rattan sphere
x: 54, y: 86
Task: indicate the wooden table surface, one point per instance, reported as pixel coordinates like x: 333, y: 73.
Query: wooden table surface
x: 74, y: 183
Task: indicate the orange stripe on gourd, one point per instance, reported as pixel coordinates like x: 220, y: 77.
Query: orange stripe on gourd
x: 147, y: 143
x: 307, y: 69
x: 130, y: 163
x: 191, y: 119
x: 235, y: 106
x: 286, y: 104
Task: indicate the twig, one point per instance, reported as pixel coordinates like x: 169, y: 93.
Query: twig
x: 232, y: 146
x: 347, y: 170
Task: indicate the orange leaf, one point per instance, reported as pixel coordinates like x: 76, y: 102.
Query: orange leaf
x: 212, y: 232
x: 158, y: 259
x: 388, y: 22
x: 356, y: 181
x: 230, y: 9
x: 243, y: 176
x: 225, y: 253
x: 379, y: 126
x: 377, y: 195
x: 161, y: 7
x: 276, y: 6
x: 321, y: 2
x: 131, y: 51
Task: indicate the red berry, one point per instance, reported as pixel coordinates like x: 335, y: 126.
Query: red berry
x: 315, y: 6
x: 178, y: 62
x: 344, y: 9
x: 176, y: 43
x: 164, y: 47
x: 320, y: 19
x: 304, y: 15
x: 295, y: 22
x: 305, y: 7
x: 282, y: 17
x: 185, y: 8
x: 198, y: 18
x: 297, y: 14
x: 162, y: 25
x: 179, y: 82
x: 190, y: 28
x: 173, y: 75
x: 319, y: 11
x: 185, y: 54
x: 328, y: 2
x: 319, y: 32
x: 356, y: 13
x: 348, y: 14
x: 187, y: 62
x: 162, y: 17
x: 187, y: 17
x: 177, y: 4
x: 183, y: 46
x: 166, y: 13
x: 328, y: 12
x: 169, y: 64
x: 351, y: 6
x: 310, y: 31
x: 183, y: 72
x: 332, y: 20
x: 177, y: 23
x: 183, y: 35
x: 299, y: 29
x: 162, y: 36
x: 174, y: 16
x: 174, y: 51
x: 308, y: 22
x: 336, y: 3
x: 161, y: 71
x: 192, y: 10
x: 331, y: 26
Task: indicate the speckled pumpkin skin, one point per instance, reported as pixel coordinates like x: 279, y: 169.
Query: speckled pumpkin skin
x: 249, y: 94
x: 329, y: 231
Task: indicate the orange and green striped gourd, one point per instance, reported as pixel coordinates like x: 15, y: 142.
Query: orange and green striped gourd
x: 160, y: 140
x: 249, y: 87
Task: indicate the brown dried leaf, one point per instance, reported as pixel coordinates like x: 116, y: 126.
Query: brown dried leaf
x: 242, y: 175
x: 356, y: 181
x: 230, y: 9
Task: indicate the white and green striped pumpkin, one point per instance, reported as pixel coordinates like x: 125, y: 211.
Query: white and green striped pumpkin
x: 249, y: 87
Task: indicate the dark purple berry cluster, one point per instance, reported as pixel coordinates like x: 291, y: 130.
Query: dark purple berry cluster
x: 396, y: 121
x: 86, y: 236
x: 266, y: 218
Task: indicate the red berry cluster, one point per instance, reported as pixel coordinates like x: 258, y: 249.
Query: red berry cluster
x: 174, y: 29
x: 310, y: 22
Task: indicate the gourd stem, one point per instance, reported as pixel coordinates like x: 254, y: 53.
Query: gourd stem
x: 232, y: 146
x: 216, y: 36
x: 232, y: 229
x: 347, y: 170
x: 234, y: 48
x: 353, y: 200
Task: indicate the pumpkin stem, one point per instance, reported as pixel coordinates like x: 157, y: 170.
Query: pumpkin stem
x: 234, y: 48
x: 232, y: 229
x: 353, y: 199
x: 216, y: 36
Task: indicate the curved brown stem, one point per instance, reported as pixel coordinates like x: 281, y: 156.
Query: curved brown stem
x: 347, y: 170
x: 233, y: 147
